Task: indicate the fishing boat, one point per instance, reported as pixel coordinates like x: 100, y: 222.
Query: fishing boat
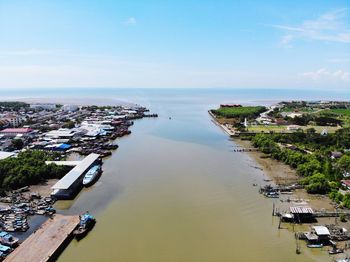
x: 335, y: 251
x: 4, y: 251
x: 86, y: 223
x: 92, y: 175
x: 8, y: 240
x: 315, y: 245
x: 272, y: 194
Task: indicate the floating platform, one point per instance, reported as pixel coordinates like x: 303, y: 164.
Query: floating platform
x: 47, y: 242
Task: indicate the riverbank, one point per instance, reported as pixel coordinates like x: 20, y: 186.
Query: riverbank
x: 276, y: 172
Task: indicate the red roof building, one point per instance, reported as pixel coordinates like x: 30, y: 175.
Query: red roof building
x: 16, y: 131
x: 346, y: 183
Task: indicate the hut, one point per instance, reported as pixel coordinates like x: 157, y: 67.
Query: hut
x: 302, y: 213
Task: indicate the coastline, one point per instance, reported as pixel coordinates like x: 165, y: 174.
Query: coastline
x: 277, y: 172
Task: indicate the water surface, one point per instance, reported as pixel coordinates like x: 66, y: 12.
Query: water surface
x: 175, y: 192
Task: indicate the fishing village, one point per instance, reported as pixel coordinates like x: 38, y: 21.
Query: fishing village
x: 49, y: 152
x: 303, y: 151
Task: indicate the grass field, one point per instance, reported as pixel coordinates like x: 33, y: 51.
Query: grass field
x: 282, y: 128
x: 344, y: 112
x: 237, y: 112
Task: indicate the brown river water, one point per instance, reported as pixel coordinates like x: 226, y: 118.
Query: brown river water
x: 175, y: 191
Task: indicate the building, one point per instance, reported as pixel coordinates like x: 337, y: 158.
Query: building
x: 293, y: 127
x: 70, y: 108
x: 302, y: 213
x: 13, y: 132
x: 4, y: 155
x: 64, y: 133
x: 43, y: 106
x: 13, y: 120
x: 335, y: 155
x: 71, y: 183
x: 58, y: 147
x: 346, y: 183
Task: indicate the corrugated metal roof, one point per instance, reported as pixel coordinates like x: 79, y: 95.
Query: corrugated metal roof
x: 321, y: 230
x: 301, y: 210
x: 76, y: 172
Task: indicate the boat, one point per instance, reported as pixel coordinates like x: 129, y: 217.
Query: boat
x: 86, y: 223
x: 8, y: 240
x: 315, y: 245
x: 272, y: 194
x: 335, y: 251
x: 4, y: 251
x: 92, y: 175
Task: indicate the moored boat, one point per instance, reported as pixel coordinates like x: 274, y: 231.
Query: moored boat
x: 8, y: 240
x: 335, y: 251
x: 86, y: 223
x: 92, y: 175
x: 315, y: 245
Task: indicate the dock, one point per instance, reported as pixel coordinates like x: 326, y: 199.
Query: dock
x: 47, y: 242
x: 68, y: 186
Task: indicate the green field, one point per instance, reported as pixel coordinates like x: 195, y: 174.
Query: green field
x: 343, y: 112
x: 239, y: 112
x: 283, y: 128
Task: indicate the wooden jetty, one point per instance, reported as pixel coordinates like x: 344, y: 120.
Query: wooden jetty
x: 47, y: 242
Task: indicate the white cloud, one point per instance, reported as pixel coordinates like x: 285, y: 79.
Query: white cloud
x: 331, y: 26
x: 326, y: 75
x: 130, y: 21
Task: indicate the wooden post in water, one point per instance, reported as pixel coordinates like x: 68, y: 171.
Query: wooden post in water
x: 273, y: 209
x: 279, y: 224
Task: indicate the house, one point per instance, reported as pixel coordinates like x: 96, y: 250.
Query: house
x: 302, y: 213
x: 318, y: 235
x: 293, y: 127
x: 336, y: 155
x: 322, y: 233
x: 346, y: 183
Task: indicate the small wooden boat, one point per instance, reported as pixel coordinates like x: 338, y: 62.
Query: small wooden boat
x: 8, y: 240
x: 335, y: 251
x: 86, y: 223
x: 272, y: 194
x: 315, y: 245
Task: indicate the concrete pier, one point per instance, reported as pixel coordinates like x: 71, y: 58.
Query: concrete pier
x: 47, y: 242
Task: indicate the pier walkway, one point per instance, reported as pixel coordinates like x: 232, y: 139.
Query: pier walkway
x: 47, y: 242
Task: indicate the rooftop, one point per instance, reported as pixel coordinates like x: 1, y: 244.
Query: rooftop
x: 4, y: 155
x: 301, y: 210
x: 76, y: 172
x: 321, y: 230
x: 17, y: 130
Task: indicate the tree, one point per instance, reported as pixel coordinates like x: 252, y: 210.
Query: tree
x: 344, y: 163
x: 17, y: 143
x: 316, y: 184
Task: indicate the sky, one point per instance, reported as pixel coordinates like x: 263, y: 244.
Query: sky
x: 179, y: 43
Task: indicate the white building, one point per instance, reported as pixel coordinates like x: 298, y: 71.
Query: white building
x: 64, y: 133
x: 70, y: 108
x: 293, y: 127
x: 43, y: 106
x: 13, y: 120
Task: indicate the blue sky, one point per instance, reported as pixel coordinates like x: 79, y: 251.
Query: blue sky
x: 182, y: 43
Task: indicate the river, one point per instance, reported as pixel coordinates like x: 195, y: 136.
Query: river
x: 175, y: 191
